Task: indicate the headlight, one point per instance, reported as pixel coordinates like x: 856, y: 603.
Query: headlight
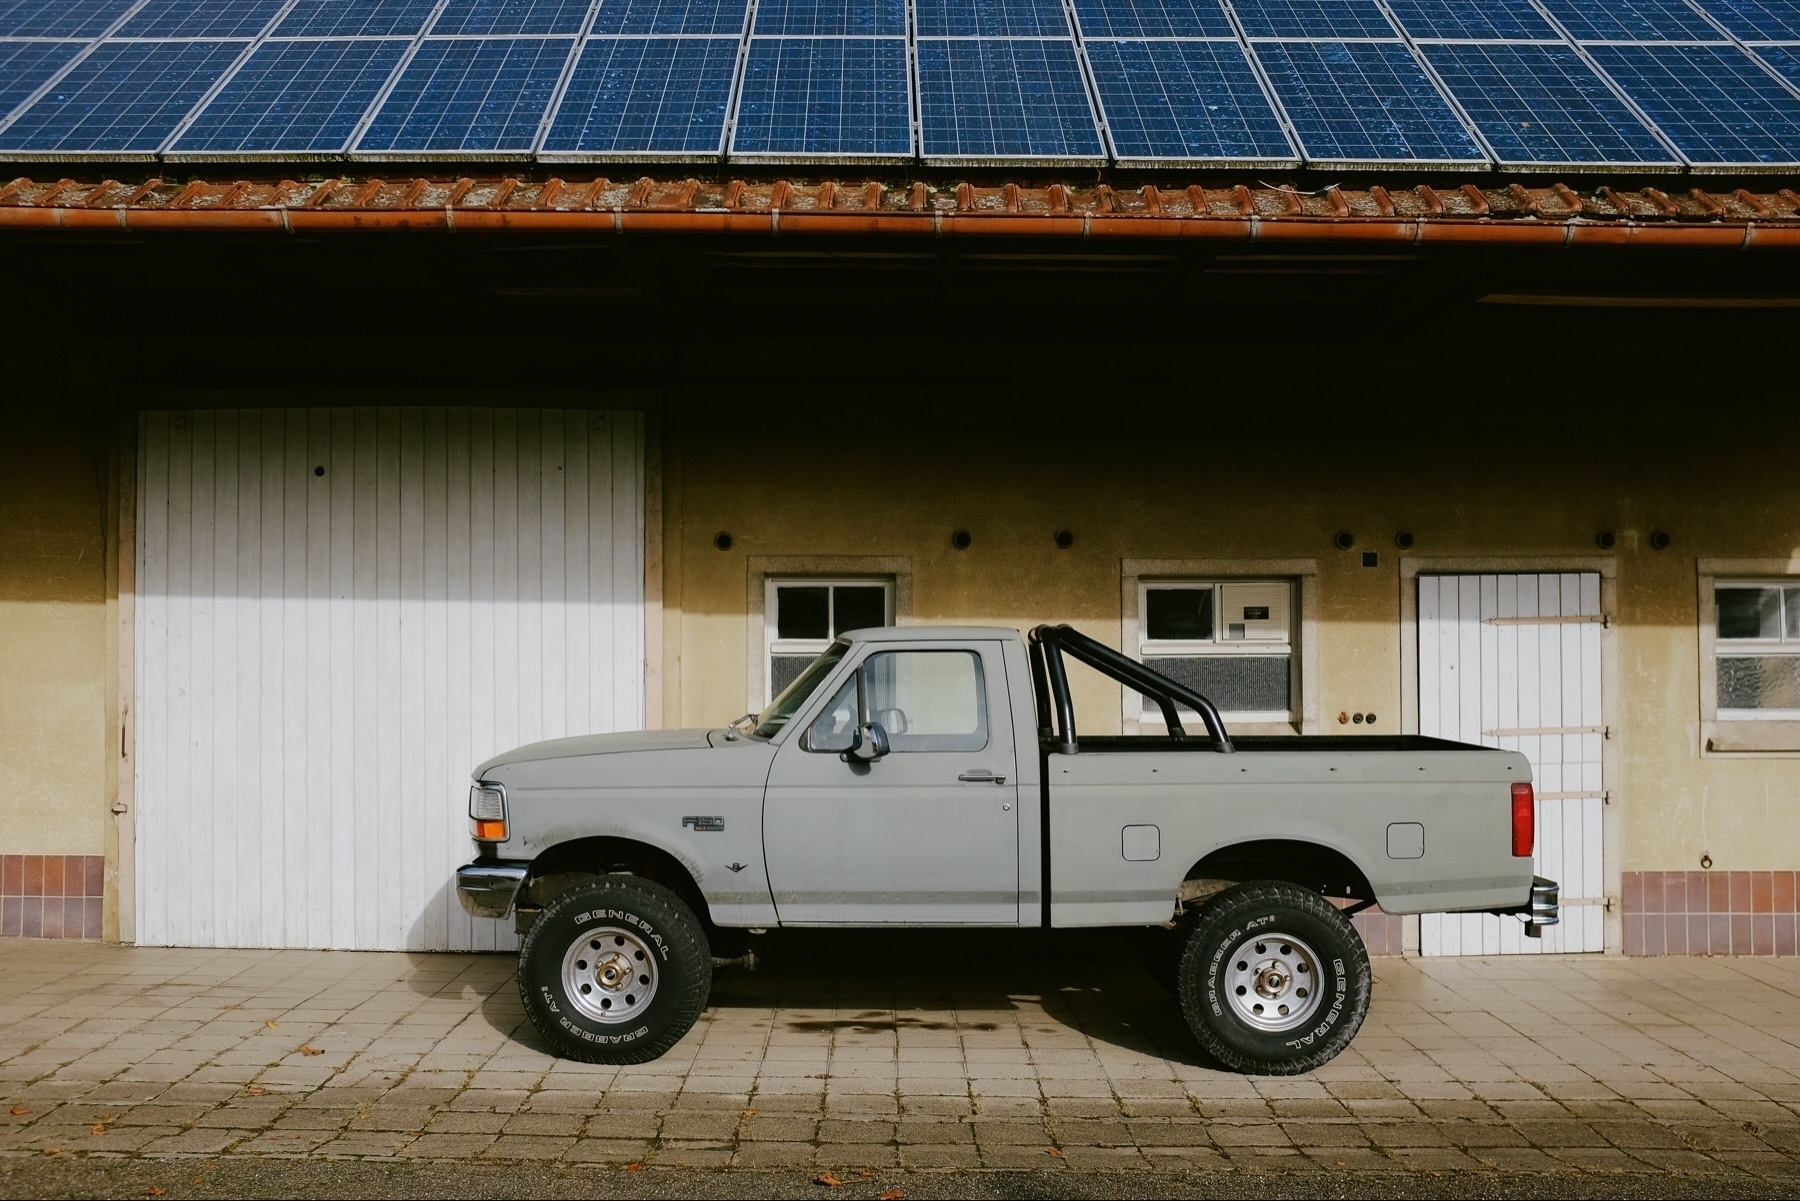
x: 487, y: 810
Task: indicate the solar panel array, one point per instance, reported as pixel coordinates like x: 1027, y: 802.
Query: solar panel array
x: 1642, y: 85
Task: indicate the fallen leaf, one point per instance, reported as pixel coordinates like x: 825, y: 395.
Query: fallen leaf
x: 19, y: 1111
x: 1342, y: 1163
x: 893, y: 1194
x: 196, y: 1180
x: 97, y: 1128
x: 272, y: 1024
x: 634, y: 1167
x: 255, y: 1090
x: 749, y: 1113
x: 827, y: 1179
x: 153, y: 1191
x: 864, y: 1174
x: 1053, y: 1151
x: 306, y: 1050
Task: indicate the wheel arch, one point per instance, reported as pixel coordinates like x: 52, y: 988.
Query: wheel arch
x: 562, y: 866
x: 1312, y: 865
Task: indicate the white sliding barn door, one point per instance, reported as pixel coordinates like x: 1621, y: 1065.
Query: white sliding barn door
x: 340, y: 613
x: 1513, y: 661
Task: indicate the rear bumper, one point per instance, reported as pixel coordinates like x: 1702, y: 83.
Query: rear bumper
x: 488, y: 889
x: 1546, y: 906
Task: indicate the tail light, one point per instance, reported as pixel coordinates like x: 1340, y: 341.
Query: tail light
x: 1524, y: 823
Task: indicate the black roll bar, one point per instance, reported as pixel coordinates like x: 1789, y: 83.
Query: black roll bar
x: 1050, y: 643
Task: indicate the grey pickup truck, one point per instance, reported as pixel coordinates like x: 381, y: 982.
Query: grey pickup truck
x: 935, y: 777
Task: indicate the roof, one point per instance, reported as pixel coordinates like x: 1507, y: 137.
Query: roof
x: 1474, y: 212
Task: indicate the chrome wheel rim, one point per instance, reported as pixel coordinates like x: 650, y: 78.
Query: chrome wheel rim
x: 609, y: 975
x: 1273, y: 981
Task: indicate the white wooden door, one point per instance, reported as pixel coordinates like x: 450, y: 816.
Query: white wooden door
x: 340, y: 613
x: 1513, y: 661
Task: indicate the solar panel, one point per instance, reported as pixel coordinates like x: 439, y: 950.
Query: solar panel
x: 990, y: 18
x: 1355, y: 103
x: 122, y: 100
x: 354, y: 18
x: 1785, y: 60
x: 494, y: 18
x: 993, y: 100
x: 654, y: 98
x: 59, y: 18
x: 1153, y: 19
x: 830, y: 97
x: 825, y: 18
x: 1186, y: 102
x: 1633, y: 21
x: 25, y: 66
x: 211, y: 19
x: 1757, y: 20
x: 468, y: 96
x: 293, y: 98
x: 1312, y: 19
x: 1543, y: 105
x: 1716, y: 103
x: 672, y: 16
x: 1479, y: 20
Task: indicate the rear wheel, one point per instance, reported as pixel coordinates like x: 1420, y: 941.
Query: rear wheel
x: 1274, y: 980
x: 616, y: 970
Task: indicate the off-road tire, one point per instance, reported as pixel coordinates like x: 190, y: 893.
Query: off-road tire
x: 625, y: 917
x: 1258, y: 931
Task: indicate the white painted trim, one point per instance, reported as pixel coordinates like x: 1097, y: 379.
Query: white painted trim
x: 1757, y: 737
x: 1303, y: 572
x: 759, y: 569
x: 1607, y: 566
x: 124, y: 801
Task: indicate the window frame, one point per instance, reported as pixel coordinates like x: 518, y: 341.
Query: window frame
x: 774, y: 645
x: 1752, y: 648
x: 1300, y: 576
x: 1218, y: 647
x: 1738, y: 733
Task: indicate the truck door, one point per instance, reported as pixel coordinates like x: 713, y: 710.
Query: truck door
x: 927, y: 833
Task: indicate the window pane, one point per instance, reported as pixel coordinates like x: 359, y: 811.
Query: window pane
x: 928, y: 700
x: 1178, y: 614
x: 1793, y: 614
x: 1235, y: 683
x: 803, y: 681
x: 784, y: 670
x: 802, y: 612
x: 1761, y: 682
x: 835, y: 728
x: 1749, y: 612
x: 860, y: 608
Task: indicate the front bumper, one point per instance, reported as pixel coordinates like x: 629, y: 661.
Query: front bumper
x: 489, y: 889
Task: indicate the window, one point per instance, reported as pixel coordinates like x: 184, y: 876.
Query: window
x: 1757, y: 646
x: 803, y: 616
x: 924, y: 700
x: 1229, y: 640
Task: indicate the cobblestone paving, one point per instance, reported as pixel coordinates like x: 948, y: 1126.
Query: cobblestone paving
x: 902, y: 1052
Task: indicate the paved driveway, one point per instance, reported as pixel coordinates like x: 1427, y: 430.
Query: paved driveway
x: 898, y: 1055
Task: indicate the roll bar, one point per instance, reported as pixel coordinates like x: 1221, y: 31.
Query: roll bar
x: 1050, y: 685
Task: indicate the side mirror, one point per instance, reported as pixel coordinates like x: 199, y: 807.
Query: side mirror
x: 870, y: 744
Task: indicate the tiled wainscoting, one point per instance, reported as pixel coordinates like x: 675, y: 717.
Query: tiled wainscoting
x: 51, y: 896
x: 1382, y: 933
x: 1709, y: 913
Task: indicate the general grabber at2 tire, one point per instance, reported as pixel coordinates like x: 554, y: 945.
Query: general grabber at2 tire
x: 615, y: 970
x: 1274, y: 979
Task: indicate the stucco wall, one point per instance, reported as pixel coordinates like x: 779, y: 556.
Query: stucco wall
x: 1132, y: 484
x: 55, y: 665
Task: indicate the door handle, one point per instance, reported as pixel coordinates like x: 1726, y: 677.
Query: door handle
x: 981, y: 776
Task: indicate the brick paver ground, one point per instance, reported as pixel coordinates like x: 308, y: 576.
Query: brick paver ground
x: 909, y: 1051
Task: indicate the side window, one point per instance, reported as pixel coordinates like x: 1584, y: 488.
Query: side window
x: 804, y: 615
x: 1758, y: 649
x: 1231, y: 641
x: 925, y: 700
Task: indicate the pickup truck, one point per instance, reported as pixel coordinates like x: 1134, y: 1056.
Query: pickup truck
x: 936, y: 777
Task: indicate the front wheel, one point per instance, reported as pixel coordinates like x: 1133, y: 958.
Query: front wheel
x: 615, y: 970
x: 1274, y: 980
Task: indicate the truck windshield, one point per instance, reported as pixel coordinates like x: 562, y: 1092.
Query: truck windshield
x: 770, y: 721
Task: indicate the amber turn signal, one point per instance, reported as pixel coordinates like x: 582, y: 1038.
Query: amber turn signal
x: 490, y: 831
